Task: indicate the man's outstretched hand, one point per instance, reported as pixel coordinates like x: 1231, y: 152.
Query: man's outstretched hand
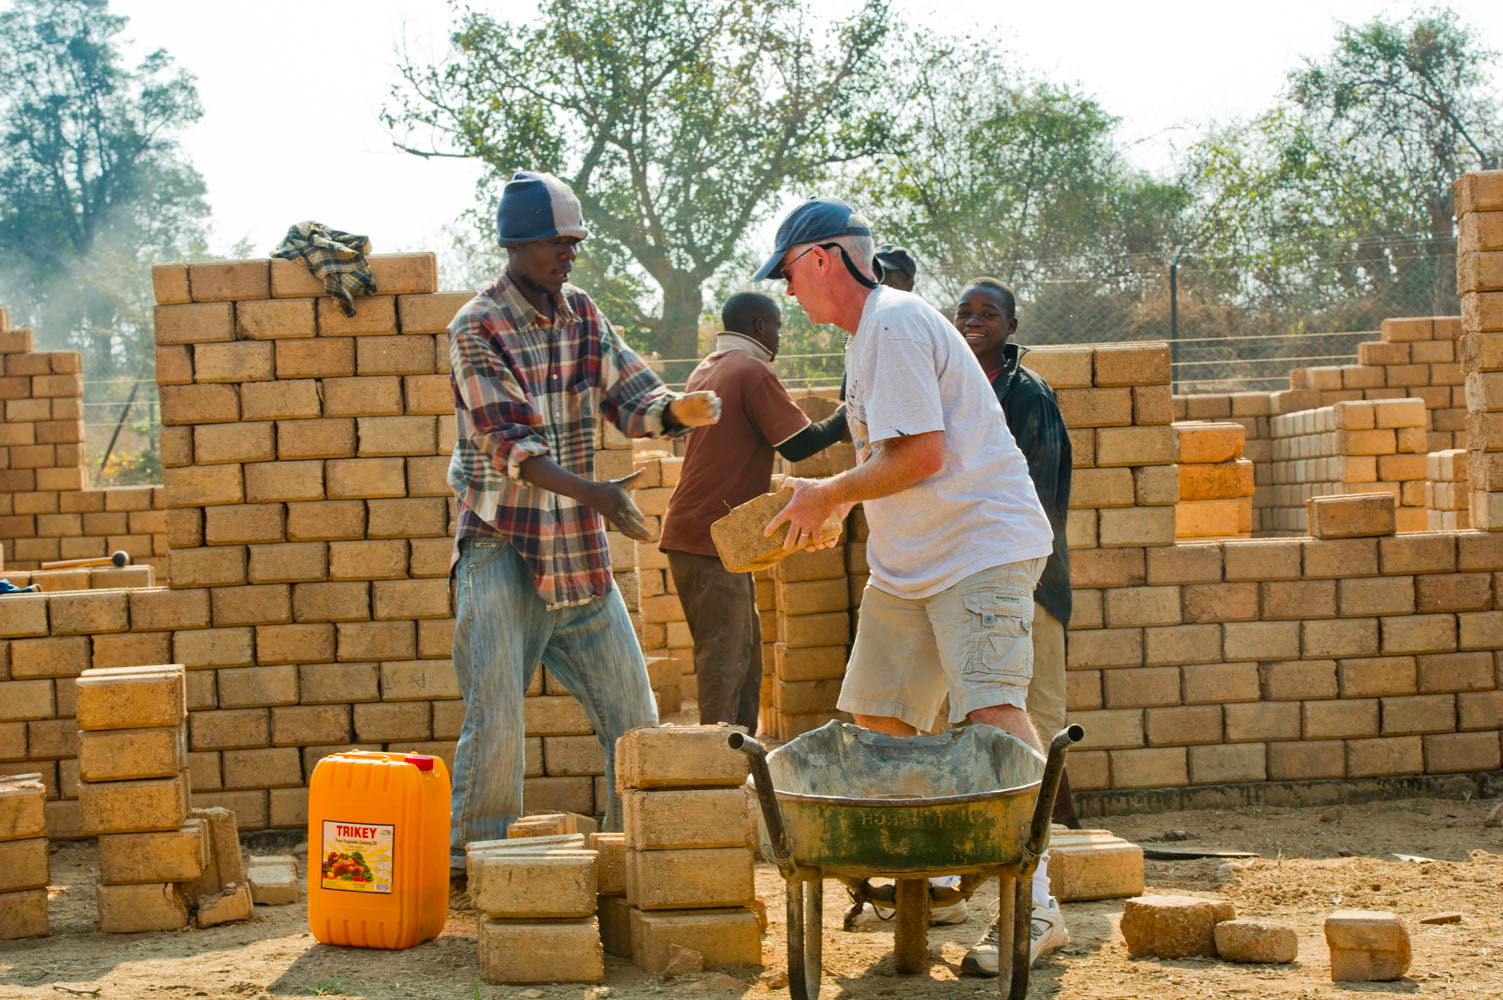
x: 696, y: 409
x: 806, y: 514
x: 612, y: 501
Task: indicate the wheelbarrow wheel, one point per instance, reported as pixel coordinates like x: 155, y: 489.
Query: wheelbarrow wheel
x: 805, y: 934
x: 910, y: 935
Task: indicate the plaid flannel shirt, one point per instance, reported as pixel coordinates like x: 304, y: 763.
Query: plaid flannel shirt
x: 524, y: 386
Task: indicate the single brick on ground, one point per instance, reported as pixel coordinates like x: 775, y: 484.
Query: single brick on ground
x: 1366, y: 946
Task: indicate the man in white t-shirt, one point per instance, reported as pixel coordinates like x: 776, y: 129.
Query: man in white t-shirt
x: 958, y: 537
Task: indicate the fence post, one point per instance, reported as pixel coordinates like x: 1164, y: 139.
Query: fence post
x: 1174, y: 316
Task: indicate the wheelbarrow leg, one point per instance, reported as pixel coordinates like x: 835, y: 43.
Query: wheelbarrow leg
x: 910, y: 936
x: 1006, y: 914
x: 805, y: 935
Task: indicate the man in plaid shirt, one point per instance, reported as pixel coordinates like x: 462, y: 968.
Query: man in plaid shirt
x: 534, y: 364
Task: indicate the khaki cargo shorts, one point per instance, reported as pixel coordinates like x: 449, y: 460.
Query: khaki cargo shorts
x: 973, y: 641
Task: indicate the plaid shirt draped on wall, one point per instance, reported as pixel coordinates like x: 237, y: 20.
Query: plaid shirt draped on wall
x: 524, y: 386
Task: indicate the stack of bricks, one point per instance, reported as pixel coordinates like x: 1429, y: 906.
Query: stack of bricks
x: 1479, y: 265
x: 1447, y: 499
x: 1350, y: 447
x: 535, y: 901
x: 689, y: 864
x: 23, y: 857
x: 662, y: 629
x: 1117, y: 407
x: 305, y: 455
x: 53, y: 581
x: 813, y: 629
x: 1416, y: 357
x: 1215, y: 481
x: 45, y: 512
x: 133, y: 790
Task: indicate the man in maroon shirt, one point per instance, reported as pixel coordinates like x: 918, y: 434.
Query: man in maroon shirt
x: 725, y: 466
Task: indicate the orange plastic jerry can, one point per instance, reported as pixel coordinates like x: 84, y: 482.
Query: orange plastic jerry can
x: 378, y: 849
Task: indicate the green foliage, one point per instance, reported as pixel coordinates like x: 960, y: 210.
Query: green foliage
x: 93, y: 186
x: 1336, y: 205
x: 677, y: 122
x: 1020, y: 179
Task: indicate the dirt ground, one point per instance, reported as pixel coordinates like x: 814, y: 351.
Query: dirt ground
x: 1312, y: 861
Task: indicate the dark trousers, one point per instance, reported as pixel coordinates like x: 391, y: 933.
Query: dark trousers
x: 721, y: 609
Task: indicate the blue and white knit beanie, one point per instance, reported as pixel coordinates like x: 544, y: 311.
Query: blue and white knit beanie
x: 536, y: 206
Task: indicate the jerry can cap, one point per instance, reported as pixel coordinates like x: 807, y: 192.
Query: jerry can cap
x: 422, y: 761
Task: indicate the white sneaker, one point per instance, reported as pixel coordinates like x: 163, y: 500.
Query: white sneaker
x: 1046, y: 932
x: 874, y: 913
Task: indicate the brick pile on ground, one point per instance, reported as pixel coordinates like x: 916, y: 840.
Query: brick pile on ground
x: 813, y: 626
x: 1215, y: 482
x: 535, y: 902
x: 1447, y: 497
x: 1479, y: 268
x: 133, y: 792
x: 1351, y: 447
x: 23, y: 857
x: 689, y: 864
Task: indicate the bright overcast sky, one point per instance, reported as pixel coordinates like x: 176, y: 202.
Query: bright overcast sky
x: 292, y: 90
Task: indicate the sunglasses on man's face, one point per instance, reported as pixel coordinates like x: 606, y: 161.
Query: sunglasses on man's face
x: 821, y: 246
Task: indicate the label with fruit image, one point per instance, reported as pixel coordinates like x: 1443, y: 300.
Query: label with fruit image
x: 357, y: 857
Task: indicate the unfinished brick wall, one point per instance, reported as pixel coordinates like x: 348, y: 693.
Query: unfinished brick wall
x: 46, y: 511
x: 1350, y: 447
x: 1479, y: 266
x: 1288, y: 659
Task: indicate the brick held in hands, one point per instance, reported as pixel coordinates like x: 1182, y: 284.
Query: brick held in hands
x: 679, y: 757
x: 131, y: 697
x: 739, y: 537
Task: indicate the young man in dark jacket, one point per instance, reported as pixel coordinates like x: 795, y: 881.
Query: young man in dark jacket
x: 986, y: 318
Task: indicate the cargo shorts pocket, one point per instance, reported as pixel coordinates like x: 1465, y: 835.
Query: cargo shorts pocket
x: 999, y: 645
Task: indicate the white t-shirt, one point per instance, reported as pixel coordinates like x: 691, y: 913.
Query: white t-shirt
x: 911, y: 372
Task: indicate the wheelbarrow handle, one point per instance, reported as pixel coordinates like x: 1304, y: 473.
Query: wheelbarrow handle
x: 1043, y: 810
x: 772, y: 816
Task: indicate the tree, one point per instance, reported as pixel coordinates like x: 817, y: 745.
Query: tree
x: 92, y: 175
x: 675, y: 121
x: 93, y: 187
x: 1342, y: 193
x: 1020, y: 179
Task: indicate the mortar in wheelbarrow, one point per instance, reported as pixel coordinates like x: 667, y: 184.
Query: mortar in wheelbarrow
x: 861, y: 803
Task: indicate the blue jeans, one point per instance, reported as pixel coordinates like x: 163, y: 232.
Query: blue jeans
x: 502, y: 631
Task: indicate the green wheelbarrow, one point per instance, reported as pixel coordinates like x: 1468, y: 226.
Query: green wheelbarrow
x: 853, y: 804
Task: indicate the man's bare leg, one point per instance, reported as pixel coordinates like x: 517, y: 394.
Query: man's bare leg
x: 885, y: 724
x: 1011, y: 720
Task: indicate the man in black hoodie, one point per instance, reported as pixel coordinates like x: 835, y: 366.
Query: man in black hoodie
x: 986, y: 317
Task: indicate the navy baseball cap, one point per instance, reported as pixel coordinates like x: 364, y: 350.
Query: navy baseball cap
x: 815, y: 220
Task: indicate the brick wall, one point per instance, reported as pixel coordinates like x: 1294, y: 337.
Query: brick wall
x: 1479, y: 267
x: 46, y: 513
x: 309, y: 528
